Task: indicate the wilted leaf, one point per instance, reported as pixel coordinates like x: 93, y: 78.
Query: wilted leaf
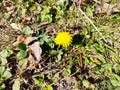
x: 16, y: 85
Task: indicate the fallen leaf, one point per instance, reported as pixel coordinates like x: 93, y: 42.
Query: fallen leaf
x: 36, y: 50
x: 79, y: 1
x: 106, y: 8
x: 24, y: 39
x: 33, y: 46
x: 15, y: 26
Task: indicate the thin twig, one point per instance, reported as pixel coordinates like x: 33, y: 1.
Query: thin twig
x: 93, y: 24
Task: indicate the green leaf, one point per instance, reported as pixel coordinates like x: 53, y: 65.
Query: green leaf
x: 22, y: 46
x: 66, y: 72
x: 23, y: 63
x: 6, y: 53
x: 16, y: 85
x: 32, y: 8
x: 55, y: 77
x: 115, y: 82
x: 53, y: 52
x: 27, y: 30
x: 22, y: 54
x: 46, y: 18
x: 59, y: 56
x: 85, y: 83
x: 7, y: 16
x: 6, y: 75
x: 2, y: 69
x: 46, y: 10
x: 2, y: 87
x: 106, y: 65
x: 39, y: 80
x: 3, y: 61
x: 47, y: 88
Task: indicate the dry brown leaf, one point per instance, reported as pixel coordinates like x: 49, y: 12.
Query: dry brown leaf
x: 36, y: 50
x: 79, y: 1
x: 106, y: 8
x: 15, y: 26
x: 25, y: 40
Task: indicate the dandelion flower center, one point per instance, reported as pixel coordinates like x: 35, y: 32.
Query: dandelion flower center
x: 64, y: 39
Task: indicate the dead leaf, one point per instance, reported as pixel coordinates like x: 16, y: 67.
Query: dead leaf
x: 36, y: 50
x: 24, y: 39
x: 79, y: 1
x: 106, y: 8
x: 34, y: 47
x: 15, y: 26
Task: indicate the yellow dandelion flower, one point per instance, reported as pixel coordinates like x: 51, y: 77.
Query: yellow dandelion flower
x: 64, y: 39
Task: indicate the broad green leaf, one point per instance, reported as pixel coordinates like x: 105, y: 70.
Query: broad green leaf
x: 27, y: 30
x: 2, y: 69
x: 53, y: 52
x: 39, y: 80
x: 47, y: 88
x: 6, y: 53
x: 22, y: 46
x: 2, y: 87
x: 55, y: 77
x: 32, y: 8
x: 23, y: 63
x: 106, y: 65
x: 66, y: 72
x: 16, y: 85
x: 22, y: 54
x: 3, y: 61
x: 85, y: 83
x: 115, y: 82
x: 6, y: 75
x: 7, y: 16
x: 46, y: 18
x: 46, y: 10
